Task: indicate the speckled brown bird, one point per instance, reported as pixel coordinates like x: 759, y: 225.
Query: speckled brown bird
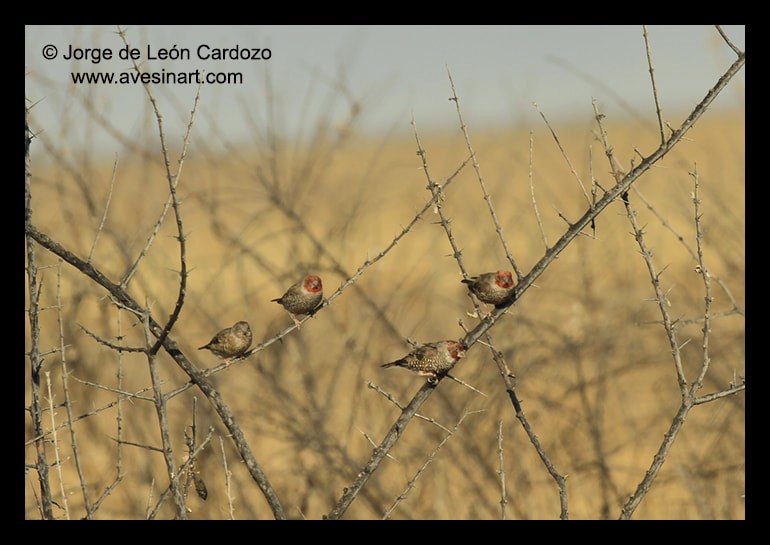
x: 302, y: 298
x: 431, y: 359
x: 230, y: 342
x: 494, y: 288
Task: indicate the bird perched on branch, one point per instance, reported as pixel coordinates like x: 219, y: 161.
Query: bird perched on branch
x: 302, y: 298
x: 494, y: 288
x: 230, y: 342
x: 431, y: 359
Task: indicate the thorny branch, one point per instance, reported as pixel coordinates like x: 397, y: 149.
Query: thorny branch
x: 36, y: 361
x: 622, y: 186
x: 163, y: 339
x: 171, y: 347
x: 689, y: 399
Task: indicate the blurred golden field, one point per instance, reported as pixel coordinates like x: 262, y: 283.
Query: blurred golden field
x: 593, y: 365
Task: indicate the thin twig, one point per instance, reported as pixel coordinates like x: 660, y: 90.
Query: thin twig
x: 654, y: 87
x: 106, y: 209
x: 431, y: 421
x: 123, y: 394
x: 706, y: 276
x: 228, y: 475
x: 193, y: 475
x: 616, y: 170
x: 660, y: 299
x: 35, y: 360
x: 559, y: 479
x: 501, y: 471
x: 68, y: 400
x: 152, y: 513
x: 138, y: 445
x: 56, y: 450
x: 719, y: 395
x: 163, y: 424
x: 385, y: 394
x: 667, y: 224
x: 402, y: 496
x: 147, y: 509
x: 438, y: 197
x: 150, y: 239
x: 727, y: 41
x: 396, y: 430
x: 563, y: 153
x: 477, y: 169
x: 108, y: 344
x: 458, y: 381
x: 532, y: 188
x: 371, y: 442
x: 594, y: 184
x: 118, y: 423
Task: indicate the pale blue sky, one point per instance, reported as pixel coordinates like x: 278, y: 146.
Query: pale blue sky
x: 398, y: 71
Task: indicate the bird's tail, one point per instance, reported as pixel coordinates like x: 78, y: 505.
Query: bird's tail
x: 397, y: 363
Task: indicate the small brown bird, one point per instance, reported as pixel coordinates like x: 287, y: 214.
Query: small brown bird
x: 494, y: 288
x: 431, y: 359
x: 302, y: 298
x: 230, y: 342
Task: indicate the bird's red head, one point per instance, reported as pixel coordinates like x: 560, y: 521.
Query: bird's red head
x: 312, y: 283
x: 457, y: 349
x: 504, y: 279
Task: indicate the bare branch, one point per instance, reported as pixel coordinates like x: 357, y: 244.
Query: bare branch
x: 563, y: 153
x: 654, y: 87
x: 182, y: 469
x: 477, y: 169
x: 119, y: 426
x: 173, y: 350
x: 706, y: 276
x: 360, y: 271
x: 501, y: 471
x: 68, y: 401
x: 108, y: 344
x: 727, y: 41
x: 421, y: 470
x: 57, y: 462
x: 665, y: 223
x: 228, y: 475
x: 352, y: 491
x: 688, y: 394
x: 660, y: 299
x: 106, y: 209
x: 532, y: 189
x: 165, y: 431
x: 561, y: 481
x: 719, y: 395
x: 34, y: 326
x: 458, y: 381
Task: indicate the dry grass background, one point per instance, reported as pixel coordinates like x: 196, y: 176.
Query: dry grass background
x: 594, y: 373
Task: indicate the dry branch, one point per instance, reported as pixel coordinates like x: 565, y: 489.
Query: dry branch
x: 171, y: 347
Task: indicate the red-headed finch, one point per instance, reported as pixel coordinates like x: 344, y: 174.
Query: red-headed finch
x: 431, y: 359
x: 302, y: 298
x: 494, y: 288
x: 230, y: 342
